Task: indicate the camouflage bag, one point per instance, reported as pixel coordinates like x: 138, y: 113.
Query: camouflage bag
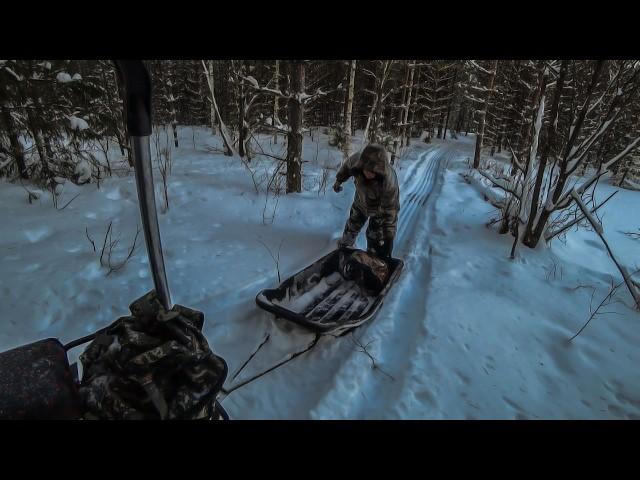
x: 367, y: 270
x: 155, y: 364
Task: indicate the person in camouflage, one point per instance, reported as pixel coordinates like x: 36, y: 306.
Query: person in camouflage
x: 377, y: 199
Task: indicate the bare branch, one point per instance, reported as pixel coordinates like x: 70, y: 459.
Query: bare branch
x: 86, y: 230
x: 364, y: 349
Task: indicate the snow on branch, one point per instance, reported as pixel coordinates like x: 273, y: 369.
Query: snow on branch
x: 253, y: 83
x: 305, y: 98
x: 483, y: 89
x: 576, y: 220
x: 564, y: 201
x: 14, y: 74
x: 588, y: 215
x: 481, y: 69
x: 473, y: 99
x: 498, y: 182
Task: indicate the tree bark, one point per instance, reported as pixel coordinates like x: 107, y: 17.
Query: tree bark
x: 530, y: 240
x: 349, y: 110
x: 407, y: 104
x: 212, y: 111
x: 451, y: 99
x: 296, y: 115
x: 413, y: 107
x: 563, y: 176
x: 274, y: 117
x: 483, y: 115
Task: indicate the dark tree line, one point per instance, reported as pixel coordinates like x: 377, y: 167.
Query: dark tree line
x: 53, y: 115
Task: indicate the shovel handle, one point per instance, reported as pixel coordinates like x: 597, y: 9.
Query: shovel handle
x: 137, y: 105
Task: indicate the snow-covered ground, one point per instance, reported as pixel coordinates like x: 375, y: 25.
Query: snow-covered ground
x: 465, y: 333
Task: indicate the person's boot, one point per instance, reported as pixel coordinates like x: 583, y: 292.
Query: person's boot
x: 346, y: 241
x: 373, y: 246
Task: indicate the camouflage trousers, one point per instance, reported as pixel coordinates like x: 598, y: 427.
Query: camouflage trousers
x: 356, y: 221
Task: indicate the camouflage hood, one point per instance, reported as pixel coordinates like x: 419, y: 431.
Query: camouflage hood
x: 379, y: 198
x: 374, y: 158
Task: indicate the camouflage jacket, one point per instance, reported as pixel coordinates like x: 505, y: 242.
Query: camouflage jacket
x: 379, y: 197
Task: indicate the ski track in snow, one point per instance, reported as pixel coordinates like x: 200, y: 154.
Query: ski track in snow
x: 397, y: 331
x: 335, y: 363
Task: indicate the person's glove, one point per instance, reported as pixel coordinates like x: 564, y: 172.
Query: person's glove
x: 337, y: 187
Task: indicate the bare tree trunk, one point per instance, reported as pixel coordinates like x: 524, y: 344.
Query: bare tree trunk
x: 440, y: 125
x: 241, y: 116
x: 375, y: 125
x: 399, y: 132
x: 347, y: 116
x: 413, y: 108
x: 274, y: 117
x: 174, y: 120
x: 407, y: 103
x: 563, y: 175
x: 451, y: 100
x: 16, y: 146
x: 296, y: 115
x: 123, y: 135
x: 212, y: 112
x: 37, y: 135
x: 483, y: 115
x: 534, y: 132
x: 529, y: 238
x: 228, y: 149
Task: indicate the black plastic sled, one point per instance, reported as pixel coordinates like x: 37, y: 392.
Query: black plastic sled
x: 322, y: 300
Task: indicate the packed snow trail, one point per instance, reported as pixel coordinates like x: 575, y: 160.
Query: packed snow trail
x: 399, y: 328
x: 464, y: 333
x: 323, y: 376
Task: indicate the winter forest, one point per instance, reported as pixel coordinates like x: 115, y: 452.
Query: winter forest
x: 518, y: 226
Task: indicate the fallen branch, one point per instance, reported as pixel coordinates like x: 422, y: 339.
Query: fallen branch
x: 597, y: 226
x: 498, y: 184
x: 69, y: 202
x: 570, y: 224
x: 605, y: 301
x: 488, y: 195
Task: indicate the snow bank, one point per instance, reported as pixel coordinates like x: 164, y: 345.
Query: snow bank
x: 77, y: 123
x: 64, y: 77
x: 83, y: 172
